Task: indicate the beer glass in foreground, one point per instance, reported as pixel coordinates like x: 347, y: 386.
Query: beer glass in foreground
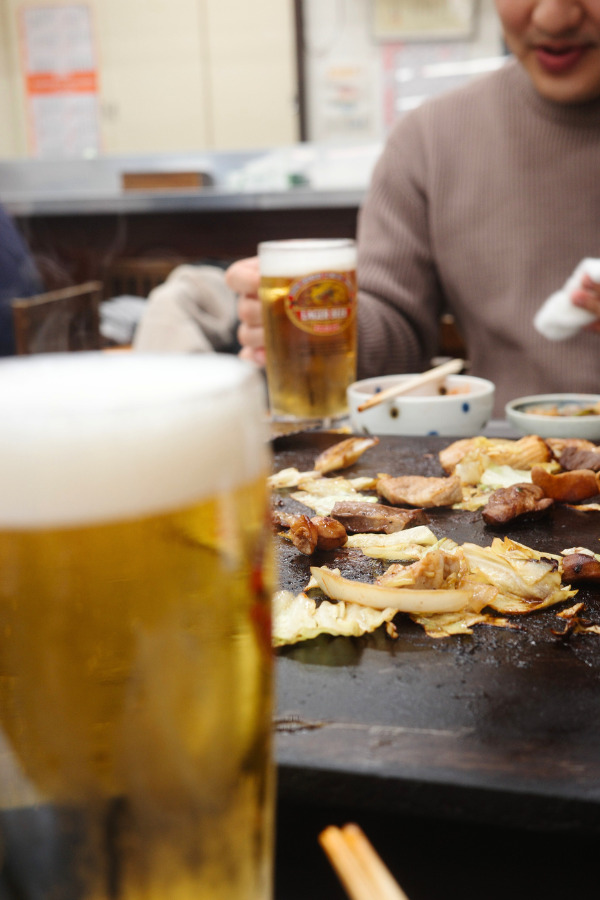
x: 135, y: 660
x: 308, y: 297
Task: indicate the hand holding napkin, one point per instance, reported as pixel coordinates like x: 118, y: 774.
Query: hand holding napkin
x: 558, y: 319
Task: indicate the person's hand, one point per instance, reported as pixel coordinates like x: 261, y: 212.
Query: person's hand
x: 587, y: 296
x: 243, y: 278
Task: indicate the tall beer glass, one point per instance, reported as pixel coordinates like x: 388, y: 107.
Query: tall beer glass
x: 308, y: 296
x: 135, y: 661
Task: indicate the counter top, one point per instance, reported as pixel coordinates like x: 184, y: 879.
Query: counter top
x: 303, y: 176
x: 65, y: 203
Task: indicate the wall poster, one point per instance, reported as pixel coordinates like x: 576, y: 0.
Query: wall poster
x: 412, y: 20
x: 60, y: 75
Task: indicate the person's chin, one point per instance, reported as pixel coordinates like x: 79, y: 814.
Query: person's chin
x: 566, y: 93
x: 568, y: 87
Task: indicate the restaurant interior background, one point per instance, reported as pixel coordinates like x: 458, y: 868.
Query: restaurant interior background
x: 169, y: 76
x: 255, y: 119
x: 187, y: 130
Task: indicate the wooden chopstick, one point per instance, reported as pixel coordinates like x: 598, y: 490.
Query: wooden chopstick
x: 452, y: 367
x: 358, y: 866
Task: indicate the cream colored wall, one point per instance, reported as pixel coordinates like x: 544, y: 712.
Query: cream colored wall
x: 252, y: 87
x: 175, y: 75
x: 185, y: 75
x: 10, y: 111
x: 152, y: 75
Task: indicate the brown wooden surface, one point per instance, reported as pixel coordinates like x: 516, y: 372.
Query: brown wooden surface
x: 136, y: 277
x: 163, y: 181
x: 501, y: 727
x: 74, y: 248
x: 58, y: 321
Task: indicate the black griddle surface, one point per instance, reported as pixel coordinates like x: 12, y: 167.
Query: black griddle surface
x: 500, y: 726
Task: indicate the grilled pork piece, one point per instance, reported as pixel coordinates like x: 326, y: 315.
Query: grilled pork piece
x: 580, y: 567
x: 375, y: 518
x: 279, y: 518
x: 436, y: 570
x: 331, y: 534
x: 318, y: 533
x: 343, y: 454
x: 521, y: 454
x: 514, y: 502
x: 566, y: 487
x: 559, y: 445
x: 420, y: 490
x: 578, y: 458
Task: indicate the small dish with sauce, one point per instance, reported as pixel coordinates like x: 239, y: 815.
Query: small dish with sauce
x: 557, y: 415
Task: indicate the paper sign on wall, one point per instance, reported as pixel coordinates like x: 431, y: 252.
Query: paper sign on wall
x: 423, y: 19
x: 61, y: 80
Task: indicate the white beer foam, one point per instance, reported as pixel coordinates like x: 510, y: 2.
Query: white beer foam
x: 290, y: 259
x: 91, y: 437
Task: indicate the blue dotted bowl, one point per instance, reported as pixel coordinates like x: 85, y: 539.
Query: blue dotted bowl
x: 463, y: 410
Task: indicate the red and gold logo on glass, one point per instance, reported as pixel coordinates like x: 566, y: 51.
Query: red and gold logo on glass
x: 323, y: 303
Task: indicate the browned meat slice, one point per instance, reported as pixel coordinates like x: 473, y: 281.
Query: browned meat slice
x: 318, y: 533
x: 521, y: 454
x: 303, y: 534
x: 343, y: 454
x: 566, y: 487
x: 577, y: 458
x: 558, y: 446
x: 451, y: 455
x: 580, y: 567
x: 420, y: 490
x: 375, y: 518
x: 436, y: 570
x: 279, y: 518
x: 514, y: 502
x: 331, y: 534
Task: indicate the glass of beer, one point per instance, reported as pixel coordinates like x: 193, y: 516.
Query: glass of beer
x: 135, y: 644
x: 308, y: 299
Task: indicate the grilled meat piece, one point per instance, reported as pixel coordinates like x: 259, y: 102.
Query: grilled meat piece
x: 343, y: 454
x: 580, y: 567
x: 331, y: 534
x: 437, y: 569
x: 304, y: 535
x: 559, y: 445
x: 578, y: 458
x: 420, y: 490
x: 375, y: 518
x: 280, y: 519
x: 317, y: 533
x: 519, y: 500
x: 566, y: 487
x: 521, y: 454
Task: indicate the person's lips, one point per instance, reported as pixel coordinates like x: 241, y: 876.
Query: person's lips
x: 559, y: 59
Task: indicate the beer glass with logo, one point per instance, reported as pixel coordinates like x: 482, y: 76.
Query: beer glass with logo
x: 135, y: 660
x: 308, y: 298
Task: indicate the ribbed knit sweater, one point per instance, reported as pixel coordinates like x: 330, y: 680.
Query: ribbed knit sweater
x: 483, y: 202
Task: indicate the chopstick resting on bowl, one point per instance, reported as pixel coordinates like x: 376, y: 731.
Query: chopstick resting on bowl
x: 452, y: 367
x: 358, y: 866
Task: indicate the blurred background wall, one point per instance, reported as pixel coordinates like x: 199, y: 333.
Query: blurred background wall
x: 170, y: 75
x: 94, y: 77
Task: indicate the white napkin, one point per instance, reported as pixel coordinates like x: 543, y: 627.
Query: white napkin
x: 558, y: 319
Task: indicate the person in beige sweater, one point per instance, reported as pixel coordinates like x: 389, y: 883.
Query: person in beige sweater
x: 483, y: 202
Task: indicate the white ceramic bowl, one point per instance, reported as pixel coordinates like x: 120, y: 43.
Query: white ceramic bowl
x: 461, y: 412
x: 519, y: 413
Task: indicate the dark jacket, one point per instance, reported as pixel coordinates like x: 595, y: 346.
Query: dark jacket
x: 18, y: 278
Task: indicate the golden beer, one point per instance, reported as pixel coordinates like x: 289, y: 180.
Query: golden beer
x: 135, y: 660
x: 308, y: 297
